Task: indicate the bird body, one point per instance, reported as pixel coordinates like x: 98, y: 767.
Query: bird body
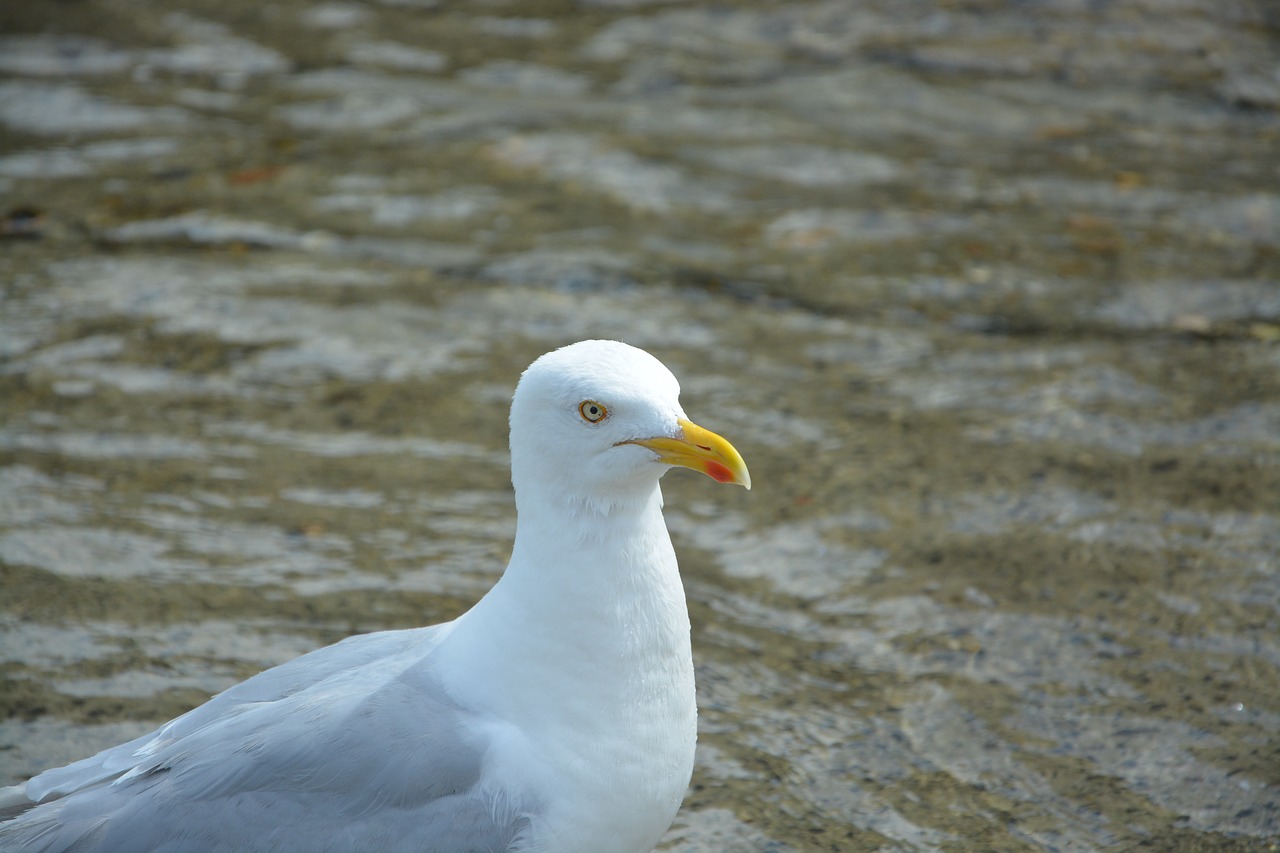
x: 556, y: 715
x: 560, y: 740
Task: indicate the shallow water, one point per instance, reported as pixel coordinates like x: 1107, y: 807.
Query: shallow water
x: 988, y: 297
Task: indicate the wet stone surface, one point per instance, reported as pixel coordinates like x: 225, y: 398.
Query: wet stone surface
x: 987, y: 295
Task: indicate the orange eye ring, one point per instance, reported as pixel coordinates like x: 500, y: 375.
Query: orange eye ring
x: 592, y: 412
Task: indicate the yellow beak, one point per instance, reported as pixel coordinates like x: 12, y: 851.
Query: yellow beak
x: 702, y: 450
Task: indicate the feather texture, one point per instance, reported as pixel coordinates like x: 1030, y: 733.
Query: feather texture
x: 555, y: 716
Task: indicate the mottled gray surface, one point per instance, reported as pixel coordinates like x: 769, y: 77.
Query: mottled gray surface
x: 987, y: 295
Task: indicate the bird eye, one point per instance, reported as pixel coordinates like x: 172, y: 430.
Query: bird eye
x: 592, y: 411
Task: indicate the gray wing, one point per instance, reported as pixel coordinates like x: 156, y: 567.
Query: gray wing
x: 372, y: 755
x: 273, y: 684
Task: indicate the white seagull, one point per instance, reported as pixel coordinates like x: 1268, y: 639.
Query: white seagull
x: 556, y: 715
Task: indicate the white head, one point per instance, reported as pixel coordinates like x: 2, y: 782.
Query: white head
x: 600, y: 421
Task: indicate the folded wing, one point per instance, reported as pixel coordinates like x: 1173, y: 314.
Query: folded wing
x: 352, y: 747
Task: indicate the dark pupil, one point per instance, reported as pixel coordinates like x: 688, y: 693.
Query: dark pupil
x: 593, y: 410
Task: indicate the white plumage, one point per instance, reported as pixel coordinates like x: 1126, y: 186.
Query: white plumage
x: 556, y: 715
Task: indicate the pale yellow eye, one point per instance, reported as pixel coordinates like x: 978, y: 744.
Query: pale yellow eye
x: 592, y: 411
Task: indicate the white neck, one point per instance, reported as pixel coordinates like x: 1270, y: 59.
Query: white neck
x: 595, y: 588
x: 579, y: 661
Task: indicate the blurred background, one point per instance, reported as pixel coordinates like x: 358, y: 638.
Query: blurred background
x: 986, y: 293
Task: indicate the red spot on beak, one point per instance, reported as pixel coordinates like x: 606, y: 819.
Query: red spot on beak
x: 719, y: 472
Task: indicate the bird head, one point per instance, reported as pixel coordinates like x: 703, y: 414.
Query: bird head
x: 601, y: 420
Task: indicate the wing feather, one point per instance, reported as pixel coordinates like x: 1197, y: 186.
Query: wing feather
x: 352, y: 747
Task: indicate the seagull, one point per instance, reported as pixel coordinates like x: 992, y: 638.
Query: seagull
x: 556, y: 715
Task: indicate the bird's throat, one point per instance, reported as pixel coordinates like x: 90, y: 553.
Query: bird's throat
x: 601, y: 591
